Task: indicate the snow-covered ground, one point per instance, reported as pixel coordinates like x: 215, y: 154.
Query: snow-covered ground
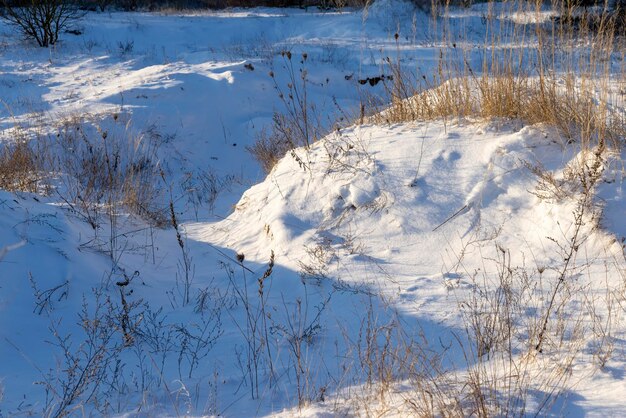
x: 308, y: 285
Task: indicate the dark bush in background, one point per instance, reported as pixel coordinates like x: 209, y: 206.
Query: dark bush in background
x: 40, y: 20
x: 215, y: 4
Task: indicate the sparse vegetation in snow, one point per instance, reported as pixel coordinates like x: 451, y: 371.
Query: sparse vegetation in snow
x: 281, y: 211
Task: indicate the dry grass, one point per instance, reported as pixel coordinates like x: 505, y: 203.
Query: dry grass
x: 269, y: 148
x: 549, y: 73
x: 111, y: 169
x: 524, y: 328
x: 557, y: 73
x: 19, y: 167
x: 93, y: 169
x: 492, y: 366
x: 107, y: 168
x: 298, y: 124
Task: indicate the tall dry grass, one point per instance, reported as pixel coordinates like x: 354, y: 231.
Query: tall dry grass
x: 558, y: 71
x: 19, y: 167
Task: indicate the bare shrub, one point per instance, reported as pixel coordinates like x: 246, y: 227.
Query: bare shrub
x: 270, y: 147
x: 84, y: 367
x: 45, y: 299
x: 41, y: 20
x: 20, y: 170
x: 300, y: 328
x: 501, y: 318
x: 121, y: 349
x: 297, y: 124
x: 197, y: 338
x: 258, y: 351
x: 202, y: 188
x: 108, y: 170
x: 491, y: 367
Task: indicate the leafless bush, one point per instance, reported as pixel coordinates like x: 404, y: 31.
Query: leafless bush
x: 94, y: 362
x: 255, y: 330
x: 110, y: 171
x: 300, y: 328
x: 395, y: 367
x: 203, y: 188
x: 41, y: 20
x: 267, y: 329
x: 197, y: 339
x: 270, y: 147
x: 588, y: 174
x: 20, y: 169
x: 501, y: 319
x: 44, y: 299
x: 84, y: 367
x: 297, y: 125
x: 492, y: 367
x: 185, y: 343
x: 379, y: 351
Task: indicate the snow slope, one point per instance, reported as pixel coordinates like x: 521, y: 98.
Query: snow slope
x: 419, y: 212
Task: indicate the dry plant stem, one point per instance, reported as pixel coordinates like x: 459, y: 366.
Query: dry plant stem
x: 252, y: 340
x: 263, y: 301
x: 588, y: 178
x: 255, y: 332
x: 573, y: 247
x: 299, y: 331
x: 295, y: 99
x: 125, y: 314
x: 186, y: 265
x: 296, y: 126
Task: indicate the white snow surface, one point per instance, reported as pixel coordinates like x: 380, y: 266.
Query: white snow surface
x: 401, y: 218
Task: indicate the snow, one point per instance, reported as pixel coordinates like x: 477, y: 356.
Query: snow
x: 400, y: 221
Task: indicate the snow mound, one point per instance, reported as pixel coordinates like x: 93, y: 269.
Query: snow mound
x: 416, y: 211
x: 359, y: 194
x: 410, y: 195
